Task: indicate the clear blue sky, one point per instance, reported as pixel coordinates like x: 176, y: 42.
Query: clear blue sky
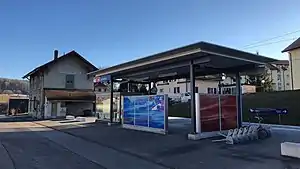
x: 108, y: 32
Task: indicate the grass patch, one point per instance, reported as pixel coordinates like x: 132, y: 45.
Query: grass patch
x: 285, y: 99
x: 179, y: 110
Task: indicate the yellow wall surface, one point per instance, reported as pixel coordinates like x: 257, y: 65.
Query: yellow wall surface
x: 295, y: 68
x: 4, y: 98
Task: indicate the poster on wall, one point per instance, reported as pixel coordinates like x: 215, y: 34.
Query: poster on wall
x: 128, y: 110
x: 209, y: 113
x: 157, y: 111
x: 141, y: 111
x: 228, y: 111
x: 215, y: 112
x: 147, y: 113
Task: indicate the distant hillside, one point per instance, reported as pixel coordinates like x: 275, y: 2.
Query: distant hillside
x: 14, y: 86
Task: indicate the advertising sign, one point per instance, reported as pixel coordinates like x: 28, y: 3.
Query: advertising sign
x: 103, y: 106
x: 157, y: 111
x: 147, y: 113
x: 215, y: 112
x: 228, y: 112
x: 209, y: 113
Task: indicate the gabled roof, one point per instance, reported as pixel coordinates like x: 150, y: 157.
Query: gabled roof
x: 202, y: 47
x: 294, y: 45
x: 73, y: 53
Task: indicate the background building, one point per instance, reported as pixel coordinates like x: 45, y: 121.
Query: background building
x: 293, y: 51
x: 178, y: 88
x: 279, y: 72
x: 61, y: 87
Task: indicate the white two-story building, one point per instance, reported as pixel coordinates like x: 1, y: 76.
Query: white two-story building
x: 293, y: 51
x: 178, y: 88
x: 61, y: 87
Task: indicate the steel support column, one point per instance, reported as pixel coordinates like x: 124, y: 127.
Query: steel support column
x: 111, y: 100
x: 149, y: 88
x: 239, y: 100
x: 192, y: 89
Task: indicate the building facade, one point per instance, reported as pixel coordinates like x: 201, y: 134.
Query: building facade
x: 61, y: 87
x: 293, y: 51
x: 279, y: 73
x: 177, y: 89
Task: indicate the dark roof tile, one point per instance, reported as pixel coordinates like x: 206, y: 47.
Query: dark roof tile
x: 294, y: 45
x: 70, y: 54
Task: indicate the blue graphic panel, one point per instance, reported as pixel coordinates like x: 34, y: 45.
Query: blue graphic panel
x: 145, y: 111
x: 157, y: 111
x: 128, y: 109
x: 141, y: 111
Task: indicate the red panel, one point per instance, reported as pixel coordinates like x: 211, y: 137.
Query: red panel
x: 209, y: 113
x: 229, y: 112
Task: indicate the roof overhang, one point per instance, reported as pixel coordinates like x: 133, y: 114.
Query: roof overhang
x: 54, y: 94
x: 89, y: 66
x: 207, y: 58
x: 295, y: 45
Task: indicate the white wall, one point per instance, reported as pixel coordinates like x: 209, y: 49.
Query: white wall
x: 56, y: 76
x: 280, y: 78
x: 168, y: 88
x: 295, y: 69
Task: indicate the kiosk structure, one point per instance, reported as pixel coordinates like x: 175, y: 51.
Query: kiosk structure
x: 188, y: 62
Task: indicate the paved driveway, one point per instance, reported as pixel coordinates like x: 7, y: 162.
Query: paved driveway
x: 65, y: 144
x: 28, y: 150
x: 175, y: 151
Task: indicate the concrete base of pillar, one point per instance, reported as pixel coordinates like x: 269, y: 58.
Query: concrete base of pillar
x: 204, y: 135
x: 111, y: 124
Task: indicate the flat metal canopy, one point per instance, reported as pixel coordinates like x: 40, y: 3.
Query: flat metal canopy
x: 208, y: 59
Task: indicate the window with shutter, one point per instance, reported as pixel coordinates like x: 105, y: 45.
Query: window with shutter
x: 69, y: 81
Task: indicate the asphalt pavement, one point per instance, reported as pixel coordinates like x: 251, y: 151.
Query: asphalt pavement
x: 61, y: 144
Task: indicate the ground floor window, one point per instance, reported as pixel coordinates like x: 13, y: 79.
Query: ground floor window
x: 211, y: 90
x: 176, y: 89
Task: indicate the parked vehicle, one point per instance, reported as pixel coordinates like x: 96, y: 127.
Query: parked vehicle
x: 185, y: 97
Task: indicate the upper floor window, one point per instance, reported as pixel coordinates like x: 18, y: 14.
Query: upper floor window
x: 70, y: 81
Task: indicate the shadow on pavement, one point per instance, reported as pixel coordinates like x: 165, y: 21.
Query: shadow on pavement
x: 176, y: 151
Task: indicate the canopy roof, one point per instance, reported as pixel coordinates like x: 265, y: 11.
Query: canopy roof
x: 208, y: 58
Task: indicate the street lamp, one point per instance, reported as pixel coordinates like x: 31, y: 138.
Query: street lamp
x: 263, y: 82
x: 223, y: 76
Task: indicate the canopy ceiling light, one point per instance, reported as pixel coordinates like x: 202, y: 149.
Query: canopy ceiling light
x: 168, y: 74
